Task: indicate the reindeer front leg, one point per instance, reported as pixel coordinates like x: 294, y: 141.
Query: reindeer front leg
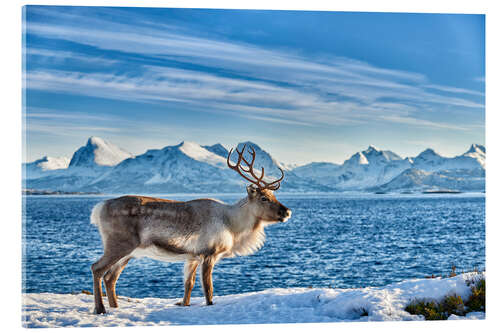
x: 206, y: 271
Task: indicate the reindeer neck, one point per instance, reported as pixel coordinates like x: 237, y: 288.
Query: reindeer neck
x: 240, y: 216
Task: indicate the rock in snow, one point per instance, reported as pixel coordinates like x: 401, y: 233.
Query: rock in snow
x: 100, y: 166
x: 294, y: 305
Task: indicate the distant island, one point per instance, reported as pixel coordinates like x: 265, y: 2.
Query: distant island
x: 29, y: 191
x: 441, y: 191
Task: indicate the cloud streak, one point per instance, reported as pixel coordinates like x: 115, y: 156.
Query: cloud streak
x: 242, y: 79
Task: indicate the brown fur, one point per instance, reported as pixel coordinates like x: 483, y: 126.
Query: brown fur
x: 206, y: 272
x: 110, y: 279
x: 192, y: 265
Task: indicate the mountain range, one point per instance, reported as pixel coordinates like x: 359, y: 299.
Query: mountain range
x: 100, y: 166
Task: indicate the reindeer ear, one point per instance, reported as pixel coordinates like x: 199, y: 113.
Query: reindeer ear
x: 251, y: 190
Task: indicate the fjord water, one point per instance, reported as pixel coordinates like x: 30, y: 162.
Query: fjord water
x: 341, y: 241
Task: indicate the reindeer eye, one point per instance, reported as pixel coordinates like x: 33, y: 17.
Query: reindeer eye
x: 264, y: 199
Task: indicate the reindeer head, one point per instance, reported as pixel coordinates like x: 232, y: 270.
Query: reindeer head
x: 260, y: 193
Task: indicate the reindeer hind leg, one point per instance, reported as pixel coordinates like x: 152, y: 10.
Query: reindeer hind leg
x: 115, y: 250
x: 110, y: 279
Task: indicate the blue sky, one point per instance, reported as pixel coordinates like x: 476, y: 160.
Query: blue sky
x: 305, y: 86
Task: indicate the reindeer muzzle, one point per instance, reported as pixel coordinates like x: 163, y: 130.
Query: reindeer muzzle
x: 285, y: 215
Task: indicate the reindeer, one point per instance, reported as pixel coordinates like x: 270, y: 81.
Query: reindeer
x: 198, y: 232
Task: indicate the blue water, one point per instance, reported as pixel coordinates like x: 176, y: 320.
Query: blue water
x: 331, y: 241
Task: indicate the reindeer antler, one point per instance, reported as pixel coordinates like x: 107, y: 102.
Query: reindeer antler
x: 259, y: 181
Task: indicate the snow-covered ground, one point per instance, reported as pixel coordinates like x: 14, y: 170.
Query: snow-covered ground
x: 294, y: 305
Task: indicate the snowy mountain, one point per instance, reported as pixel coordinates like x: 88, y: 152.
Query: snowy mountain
x: 415, y: 179
x: 217, y: 149
x: 429, y: 160
x: 263, y: 159
x: 431, y: 171
x: 43, y: 166
x: 100, y: 166
x: 87, y: 163
x: 187, y: 167
x: 477, y: 151
x: 370, y: 167
x: 96, y: 153
x: 382, y: 170
x: 320, y: 171
x: 362, y: 170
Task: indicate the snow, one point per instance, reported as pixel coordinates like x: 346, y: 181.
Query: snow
x: 197, y: 152
x: 98, y: 152
x: 44, y: 166
x: 477, y: 153
x: 470, y: 315
x: 429, y: 160
x: 262, y: 159
x: 158, y: 179
x: 369, y: 168
x: 107, y: 153
x: 317, y: 170
x: 53, y: 163
x: 356, y: 159
x: 293, y: 305
x: 217, y: 149
x: 476, y: 148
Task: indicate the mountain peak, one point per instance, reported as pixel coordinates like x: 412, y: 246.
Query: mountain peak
x: 51, y: 163
x: 372, y: 156
x: 248, y: 144
x: 189, y: 145
x: 199, y: 153
x: 262, y: 158
x: 428, y: 157
x: 95, y: 140
x: 429, y: 152
x: 476, y: 148
x: 98, y: 152
x: 217, y: 149
x: 356, y: 159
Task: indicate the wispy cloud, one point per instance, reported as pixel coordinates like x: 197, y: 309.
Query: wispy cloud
x: 60, y: 55
x: 277, y: 120
x: 256, y: 100
x: 64, y: 130
x: 454, y: 90
x: 250, y: 81
x: 422, y: 123
x: 50, y: 114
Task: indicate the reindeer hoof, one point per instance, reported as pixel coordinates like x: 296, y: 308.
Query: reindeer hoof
x: 181, y: 304
x: 99, y: 310
x: 210, y: 303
